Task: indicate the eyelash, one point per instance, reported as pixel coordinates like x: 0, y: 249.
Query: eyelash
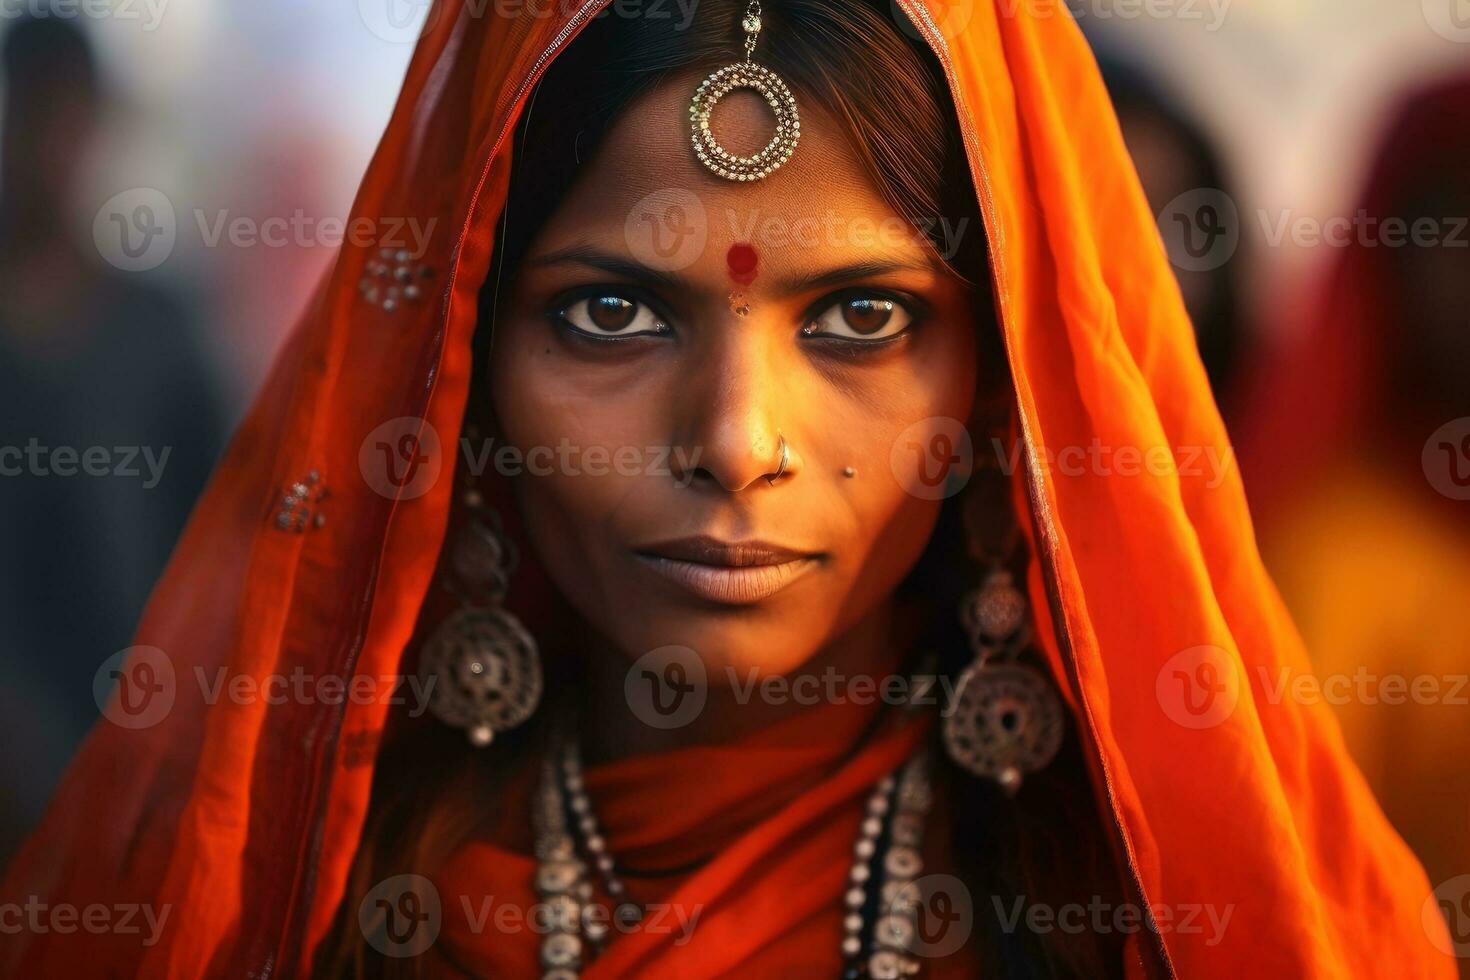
x: 916, y: 310
x: 567, y: 301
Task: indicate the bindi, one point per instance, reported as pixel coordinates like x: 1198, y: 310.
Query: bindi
x: 742, y: 261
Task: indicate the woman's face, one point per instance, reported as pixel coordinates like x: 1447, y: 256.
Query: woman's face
x: 667, y: 330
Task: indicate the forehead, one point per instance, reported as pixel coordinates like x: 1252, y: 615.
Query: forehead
x: 645, y: 177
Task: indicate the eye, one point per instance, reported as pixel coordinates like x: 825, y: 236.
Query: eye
x: 860, y: 316
x: 609, y: 315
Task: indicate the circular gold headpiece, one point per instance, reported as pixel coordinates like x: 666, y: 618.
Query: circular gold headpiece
x: 770, y: 86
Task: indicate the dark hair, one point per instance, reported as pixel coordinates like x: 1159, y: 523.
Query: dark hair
x: 848, y: 60
x: 50, y: 50
x: 889, y: 94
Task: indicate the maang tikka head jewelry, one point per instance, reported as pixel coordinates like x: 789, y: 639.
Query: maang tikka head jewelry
x: 770, y: 86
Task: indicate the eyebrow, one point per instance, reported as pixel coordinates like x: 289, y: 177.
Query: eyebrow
x: 854, y: 272
x: 608, y: 262
x: 589, y: 255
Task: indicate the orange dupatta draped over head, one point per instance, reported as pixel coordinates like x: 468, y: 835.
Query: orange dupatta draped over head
x: 242, y: 818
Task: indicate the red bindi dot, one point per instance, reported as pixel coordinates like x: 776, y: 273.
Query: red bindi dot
x: 742, y: 260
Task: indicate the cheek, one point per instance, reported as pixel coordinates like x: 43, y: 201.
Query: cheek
x: 581, y: 441
x: 916, y: 412
x: 545, y: 395
x: 888, y: 435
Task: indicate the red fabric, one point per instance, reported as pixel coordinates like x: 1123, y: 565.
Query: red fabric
x: 768, y: 903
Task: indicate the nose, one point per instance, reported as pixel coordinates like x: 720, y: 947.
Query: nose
x: 730, y: 425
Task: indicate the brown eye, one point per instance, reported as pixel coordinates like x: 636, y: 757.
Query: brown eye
x: 861, y: 318
x: 868, y: 316
x: 611, y: 313
x: 611, y: 316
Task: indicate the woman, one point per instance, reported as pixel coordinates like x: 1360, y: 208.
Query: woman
x: 747, y: 418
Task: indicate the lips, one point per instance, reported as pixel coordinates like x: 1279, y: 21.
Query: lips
x: 733, y: 573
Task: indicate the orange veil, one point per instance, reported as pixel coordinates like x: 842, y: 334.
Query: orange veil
x: 241, y: 817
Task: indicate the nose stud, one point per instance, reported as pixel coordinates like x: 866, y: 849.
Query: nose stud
x: 785, y: 459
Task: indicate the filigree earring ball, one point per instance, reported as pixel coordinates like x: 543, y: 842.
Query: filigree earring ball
x: 1005, y: 720
x: 484, y: 665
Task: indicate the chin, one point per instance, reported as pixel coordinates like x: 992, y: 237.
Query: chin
x: 731, y: 644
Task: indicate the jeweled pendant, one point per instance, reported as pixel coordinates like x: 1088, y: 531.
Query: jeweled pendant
x: 780, y: 147
x: 771, y: 87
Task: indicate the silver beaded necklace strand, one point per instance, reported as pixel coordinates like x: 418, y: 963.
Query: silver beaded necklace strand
x: 881, y: 900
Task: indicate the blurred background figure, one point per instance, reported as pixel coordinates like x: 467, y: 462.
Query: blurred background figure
x: 1175, y: 157
x: 109, y: 422
x: 1358, y: 462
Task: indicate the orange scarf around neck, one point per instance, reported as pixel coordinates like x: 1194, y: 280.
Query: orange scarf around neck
x: 769, y: 821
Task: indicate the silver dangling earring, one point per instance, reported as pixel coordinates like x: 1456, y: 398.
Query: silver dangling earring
x: 482, y: 663
x: 1005, y: 720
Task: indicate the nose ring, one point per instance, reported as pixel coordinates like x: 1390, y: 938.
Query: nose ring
x: 781, y: 467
